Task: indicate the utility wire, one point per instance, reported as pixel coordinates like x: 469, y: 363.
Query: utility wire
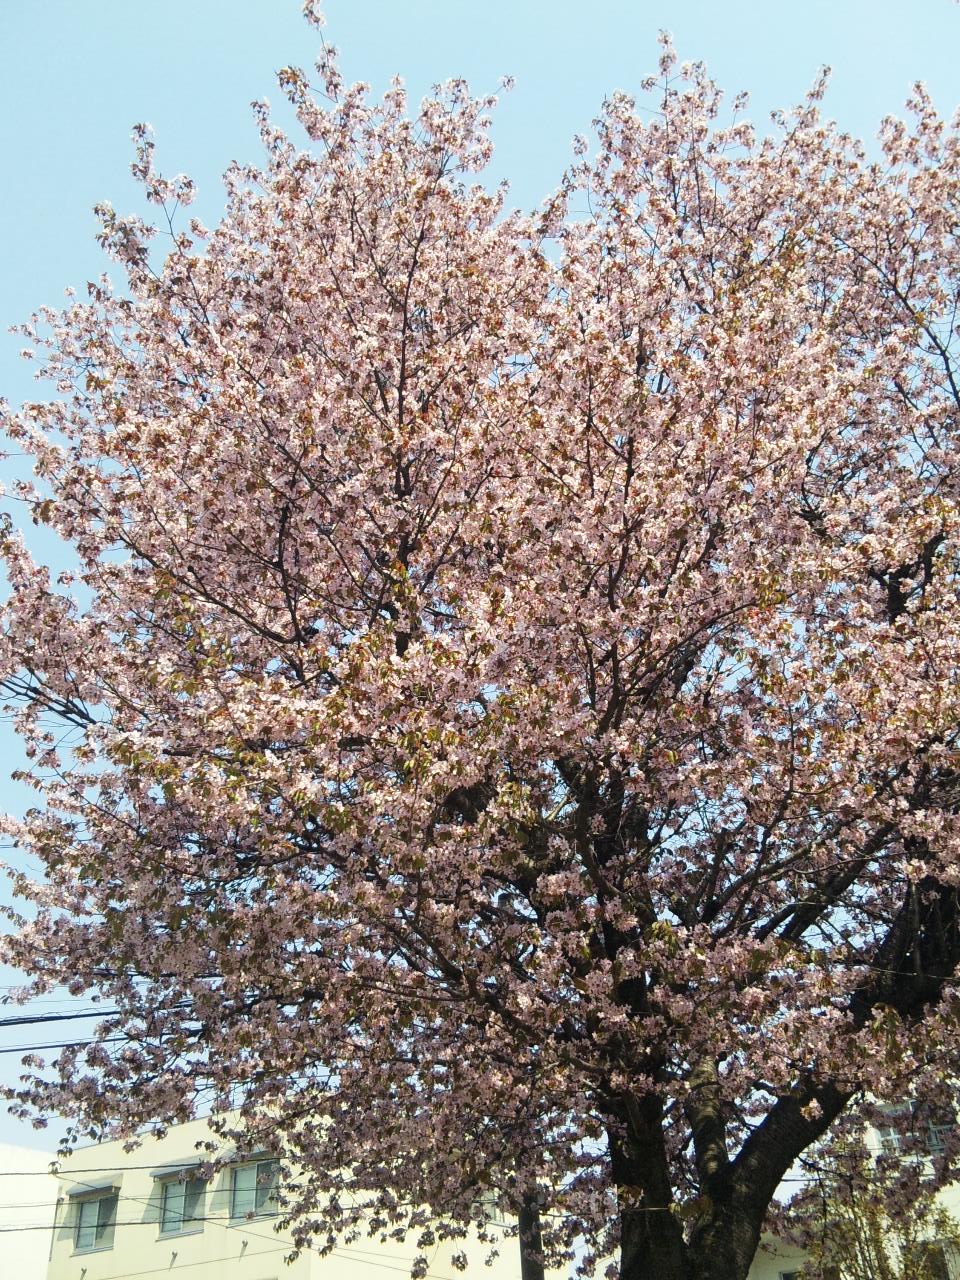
x: 269, y: 1239
x: 35, y: 1018
x: 66, y: 1044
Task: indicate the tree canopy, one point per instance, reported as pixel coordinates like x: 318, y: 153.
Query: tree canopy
x: 511, y: 670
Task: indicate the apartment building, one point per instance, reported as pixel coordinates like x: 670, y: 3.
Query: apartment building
x: 150, y: 1212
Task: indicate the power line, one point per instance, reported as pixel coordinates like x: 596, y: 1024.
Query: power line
x: 34, y: 1018
x: 356, y: 1254
x: 66, y: 1044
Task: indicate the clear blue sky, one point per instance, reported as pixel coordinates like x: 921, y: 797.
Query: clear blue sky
x: 76, y: 74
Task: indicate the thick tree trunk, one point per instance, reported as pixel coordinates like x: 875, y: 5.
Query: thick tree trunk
x: 650, y: 1251
x: 651, y: 1237
x: 654, y: 1248
x: 734, y: 1193
x: 725, y: 1248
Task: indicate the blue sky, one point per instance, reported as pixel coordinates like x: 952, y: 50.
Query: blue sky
x: 74, y: 78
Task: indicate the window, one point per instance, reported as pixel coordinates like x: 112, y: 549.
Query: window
x: 254, y: 1190
x: 181, y: 1205
x: 488, y: 1209
x: 919, y: 1128
x: 96, y: 1218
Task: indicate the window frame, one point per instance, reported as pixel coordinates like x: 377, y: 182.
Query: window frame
x: 270, y: 1209
x: 914, y: 1129
x: 104, y: 1229
x: 183, y: 1179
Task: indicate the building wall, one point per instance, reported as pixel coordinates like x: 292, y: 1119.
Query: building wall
x: 27, y: 1198
x: 223, y: 1248
x: 775, y: 1259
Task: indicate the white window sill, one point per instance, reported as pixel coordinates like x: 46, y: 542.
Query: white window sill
x: 174, y: 1233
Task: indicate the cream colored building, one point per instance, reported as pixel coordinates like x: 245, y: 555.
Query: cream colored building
x: 27, y: 1198
x: 147, y: 1213
x: 776, y: 1260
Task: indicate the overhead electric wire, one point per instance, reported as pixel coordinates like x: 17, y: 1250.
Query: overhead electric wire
x: 65, y: 1044
x: 356, y: 1255
x: 263, y: 1253
x: 34, y: 1018
x: 269, y: 1239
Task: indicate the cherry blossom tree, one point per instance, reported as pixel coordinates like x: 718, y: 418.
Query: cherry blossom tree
x: 503, y: 727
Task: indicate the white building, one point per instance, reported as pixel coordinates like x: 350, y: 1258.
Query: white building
x: 776, y: 1260
x: 27, y: 1198
x: 146, y: 1213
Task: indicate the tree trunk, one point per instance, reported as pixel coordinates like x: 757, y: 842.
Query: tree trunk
x: 653, y: 1249
x: 531, y: 1244
x: 651, y: 1237
x: 724, y: 1231
x: 726, y: 1247
x: 652, y: 1246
